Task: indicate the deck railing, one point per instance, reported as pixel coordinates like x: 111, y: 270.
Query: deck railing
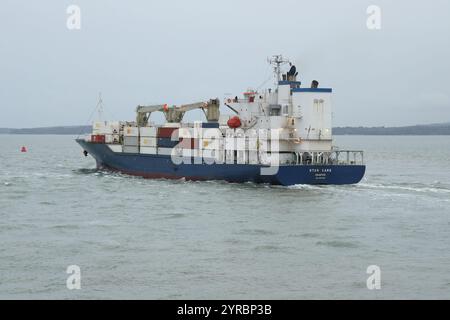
x: 334, y: 157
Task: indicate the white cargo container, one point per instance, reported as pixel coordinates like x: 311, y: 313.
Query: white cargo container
x: 252, y: 143
x: 131, y: 131
x: 108, y: 138
x: 130, y: 141
x: 241, y: 142
x: 210, y: 144
x: 98, y: 126
x: 215, y: 156
x: 263, y: 145
x: 229, y: 156
x: 187, y: 153
x: 112, y: 138
x: 264, y: 157
x: 148, y: 131
x: 148, y: 150
x: 148, y: 141
x: 230, y: 143
x: 101, y: 127
x: 198, y: 153
x: 115, y: 126
x: 253, y: 157
x: 242, y: 156
x: 186, y: 132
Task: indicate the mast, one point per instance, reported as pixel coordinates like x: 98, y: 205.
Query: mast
x: 277, y: 61
x: 100, y: 106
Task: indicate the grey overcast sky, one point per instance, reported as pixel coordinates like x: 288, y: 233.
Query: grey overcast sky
x: 138, y: 52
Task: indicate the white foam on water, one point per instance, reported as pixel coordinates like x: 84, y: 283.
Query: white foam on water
x: 304, y: 187
x: 425, y: 189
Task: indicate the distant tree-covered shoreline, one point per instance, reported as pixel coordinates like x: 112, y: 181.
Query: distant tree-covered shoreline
x: 427, y: 129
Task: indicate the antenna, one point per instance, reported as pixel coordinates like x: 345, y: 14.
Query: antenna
x: 100, y: 106
x: 277, y: 61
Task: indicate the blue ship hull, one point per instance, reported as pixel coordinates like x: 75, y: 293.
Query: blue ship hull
x: 161, y: 166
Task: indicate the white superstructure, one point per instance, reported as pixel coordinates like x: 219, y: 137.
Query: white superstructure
x: 303, y: 114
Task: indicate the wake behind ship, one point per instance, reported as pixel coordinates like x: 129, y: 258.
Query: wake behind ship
x: 279, y: 136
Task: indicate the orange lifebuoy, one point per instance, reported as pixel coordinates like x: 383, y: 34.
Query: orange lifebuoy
x: 229, y: 100
x: 234, y: 122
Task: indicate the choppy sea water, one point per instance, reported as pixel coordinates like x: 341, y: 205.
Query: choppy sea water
x: 135, y: 238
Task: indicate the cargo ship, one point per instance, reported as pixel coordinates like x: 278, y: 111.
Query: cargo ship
x: 280, y: 135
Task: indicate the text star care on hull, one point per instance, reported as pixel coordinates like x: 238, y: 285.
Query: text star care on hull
x: 280, y: 135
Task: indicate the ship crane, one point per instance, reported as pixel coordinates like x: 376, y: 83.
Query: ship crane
x: 176, y: 113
